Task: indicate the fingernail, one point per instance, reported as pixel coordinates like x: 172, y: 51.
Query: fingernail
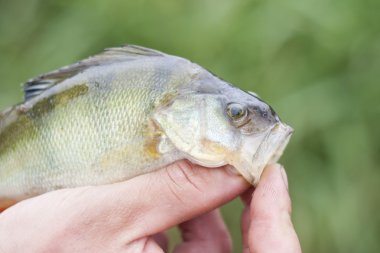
x: 284, y: 177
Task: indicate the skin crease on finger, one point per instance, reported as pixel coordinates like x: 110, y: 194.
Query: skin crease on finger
x: 107, y: 218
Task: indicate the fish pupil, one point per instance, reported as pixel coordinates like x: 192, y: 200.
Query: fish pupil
x: 235, y: 111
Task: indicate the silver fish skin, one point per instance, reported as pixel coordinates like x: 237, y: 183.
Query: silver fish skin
x: 129, y: 111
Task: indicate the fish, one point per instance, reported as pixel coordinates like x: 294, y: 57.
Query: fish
x: 127, y: 111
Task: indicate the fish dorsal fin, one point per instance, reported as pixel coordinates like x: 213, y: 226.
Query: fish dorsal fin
x: 253, y: 94
x: 38, y: 85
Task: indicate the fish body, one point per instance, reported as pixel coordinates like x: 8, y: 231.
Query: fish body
x: 126, y: 112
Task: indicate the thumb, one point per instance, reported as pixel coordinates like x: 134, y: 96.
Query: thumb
x: 271, y: 228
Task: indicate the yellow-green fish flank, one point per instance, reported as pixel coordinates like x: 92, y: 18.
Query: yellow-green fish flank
x: 125, y: 112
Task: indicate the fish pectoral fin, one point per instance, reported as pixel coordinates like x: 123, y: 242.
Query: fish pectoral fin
x: 6, y: 203
x: 38, y: 85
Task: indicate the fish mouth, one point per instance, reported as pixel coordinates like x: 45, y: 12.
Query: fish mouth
x: 267, y: 150
x: 279, y: 137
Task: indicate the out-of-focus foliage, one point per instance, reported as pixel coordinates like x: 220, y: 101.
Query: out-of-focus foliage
x: 316, y: 61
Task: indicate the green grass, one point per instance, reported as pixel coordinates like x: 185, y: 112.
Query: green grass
x: 316, y: 61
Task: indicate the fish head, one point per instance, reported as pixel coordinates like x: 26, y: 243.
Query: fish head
x: 263, y: 136
x: 225, y: 125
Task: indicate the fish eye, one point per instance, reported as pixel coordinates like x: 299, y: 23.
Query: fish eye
x: 236, y: 111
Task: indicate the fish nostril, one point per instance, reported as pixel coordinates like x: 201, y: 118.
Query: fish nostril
x: 268, y: 114
x: 264, y: 112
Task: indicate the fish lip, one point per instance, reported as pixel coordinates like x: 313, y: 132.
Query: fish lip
x: 268, y: 151
x: 277, y: 139
x: 282, y: 141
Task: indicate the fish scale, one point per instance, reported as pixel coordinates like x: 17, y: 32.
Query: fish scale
x: 126, y: 112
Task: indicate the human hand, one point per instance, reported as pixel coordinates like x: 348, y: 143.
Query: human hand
x: 266, y: 222
x: 127, y: 216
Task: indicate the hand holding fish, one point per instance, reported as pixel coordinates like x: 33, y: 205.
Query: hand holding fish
x: 130, y: 216
x: 89, y: 139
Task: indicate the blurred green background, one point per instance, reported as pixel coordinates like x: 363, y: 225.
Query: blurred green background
x: 316, y: 61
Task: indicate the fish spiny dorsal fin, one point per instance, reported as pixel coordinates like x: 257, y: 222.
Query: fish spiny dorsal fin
x: 38, y: 85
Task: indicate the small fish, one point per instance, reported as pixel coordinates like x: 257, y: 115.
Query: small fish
x: 125, y: 112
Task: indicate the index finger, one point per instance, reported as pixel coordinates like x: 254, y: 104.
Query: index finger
x: 154, y: 202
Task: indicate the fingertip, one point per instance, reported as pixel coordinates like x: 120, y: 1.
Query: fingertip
x: 284, y: 177
x: 271, y: 197
x: 268, y: 170
x: 271, y: 229
x: 276, y: 175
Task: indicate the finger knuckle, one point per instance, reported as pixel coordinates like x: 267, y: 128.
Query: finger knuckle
x: 182, y: 177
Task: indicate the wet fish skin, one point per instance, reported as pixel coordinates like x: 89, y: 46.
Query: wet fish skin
x: 85, y: 134
x: 123, y: 113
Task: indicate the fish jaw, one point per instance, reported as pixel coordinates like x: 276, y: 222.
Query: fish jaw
x: 261, y: 150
